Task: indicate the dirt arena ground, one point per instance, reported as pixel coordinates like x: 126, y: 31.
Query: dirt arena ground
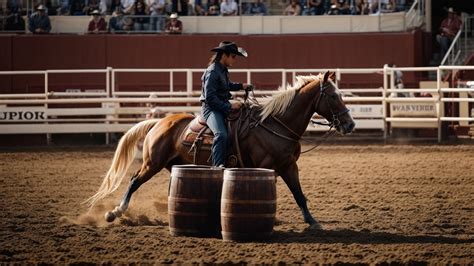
x: 377, y: 204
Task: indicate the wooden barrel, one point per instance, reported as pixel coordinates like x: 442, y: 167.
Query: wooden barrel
x: 248, y: 204
x: 194, y: 200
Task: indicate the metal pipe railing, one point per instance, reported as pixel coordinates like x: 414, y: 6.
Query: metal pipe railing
x: 190, y: 96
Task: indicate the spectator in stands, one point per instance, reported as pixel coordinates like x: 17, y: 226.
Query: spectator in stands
x: 215, y: 97
x: 373, y: 6
x: 77, y: 8
x: 141, y: 22
x: 293, y: 9
x: 400, y: 5
x: 14, y: 21
x: 91, y: 6
x: 50, y: 9
x: 257, y: 7
x: 313, y: 7
x: 448, y: 30
x: 387, y: 6
x: 180, y: 7
x: 97, y: 23
x: 116, y: 4
x: 105, y: 7
x: 63, y: 8
x: 334, y: 8
x: 174, y: 25
x: 39, y: 22
x: 356, y: 7
x: 228, y: 8
x: 15, y: 6
x: 198, y: 8
x: 127, y: 6
x: 128, y: 23
x: 364, y: 7
x: 118, y: 22
x: 157, y: 12
x: 212, y: 8
x: 344, y: 7
x: 100, y: 5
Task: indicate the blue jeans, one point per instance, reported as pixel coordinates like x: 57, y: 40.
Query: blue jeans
x: 444, y: 44
x: 216, y: 122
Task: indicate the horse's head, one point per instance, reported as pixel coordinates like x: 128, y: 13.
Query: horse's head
x: 331, y: 106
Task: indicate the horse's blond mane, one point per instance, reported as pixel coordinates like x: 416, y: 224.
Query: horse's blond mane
x: 278, y: 104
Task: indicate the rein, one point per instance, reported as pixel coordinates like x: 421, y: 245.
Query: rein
x: 278, y: 134
x: 326, y: 135
x: 253, y: 99
x: 296, y: 138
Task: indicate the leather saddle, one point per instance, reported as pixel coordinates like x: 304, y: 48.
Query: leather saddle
x: 198, y: 130
x: 199, y: 137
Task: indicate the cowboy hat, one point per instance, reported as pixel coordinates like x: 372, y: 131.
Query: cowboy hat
x: 174, y: 15
x: 40, y: 7
x: 230, y: 48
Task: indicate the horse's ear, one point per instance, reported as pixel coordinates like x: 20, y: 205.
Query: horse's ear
x: 326, y: 76
x: 329, y: 75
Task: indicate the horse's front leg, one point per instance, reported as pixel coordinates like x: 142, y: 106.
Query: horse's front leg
x: 291, y: 177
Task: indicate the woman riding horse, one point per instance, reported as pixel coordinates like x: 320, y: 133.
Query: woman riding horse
x: 215, y: 96
x: 272, y: 142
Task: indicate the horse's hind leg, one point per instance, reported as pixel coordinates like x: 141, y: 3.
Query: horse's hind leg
x: 291, y: 177
x: 146, y: 172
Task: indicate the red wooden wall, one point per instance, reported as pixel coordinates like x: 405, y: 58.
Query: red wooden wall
x: 361, y: 50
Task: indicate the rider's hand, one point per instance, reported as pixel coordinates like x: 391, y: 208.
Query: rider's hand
x: 247, y: 87
x: 235, y: 105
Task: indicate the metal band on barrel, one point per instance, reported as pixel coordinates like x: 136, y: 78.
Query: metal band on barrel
x: 177, y: 199
x: 247, y: 215
x: 181, y: 174
x: 231, y: 201
x: 177, y: 213
x: 249, y: 178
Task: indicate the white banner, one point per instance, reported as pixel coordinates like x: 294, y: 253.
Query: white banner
x: 22, y: 113
x: 366, y: 110
x: 413, y: 110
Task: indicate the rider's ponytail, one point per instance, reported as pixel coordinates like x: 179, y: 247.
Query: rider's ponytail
x: 215, y: 58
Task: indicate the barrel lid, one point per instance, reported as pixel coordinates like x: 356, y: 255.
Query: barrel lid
x: 253, y: 173
x: 190, y: 166
x: 196, y: 171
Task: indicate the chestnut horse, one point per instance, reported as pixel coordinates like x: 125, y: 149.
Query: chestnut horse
x: 273, y: 143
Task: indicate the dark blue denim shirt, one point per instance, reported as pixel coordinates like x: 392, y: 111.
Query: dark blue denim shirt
x: 36, y: 21
x: 216, y: 89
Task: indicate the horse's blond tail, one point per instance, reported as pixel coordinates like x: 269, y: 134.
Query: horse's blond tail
x: 123, y: 158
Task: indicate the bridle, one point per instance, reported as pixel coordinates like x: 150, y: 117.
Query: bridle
x: 333, y: 123
x: 335, y: 115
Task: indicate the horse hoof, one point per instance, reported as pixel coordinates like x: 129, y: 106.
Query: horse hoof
x: 110, y: 217
x: 316, y: 227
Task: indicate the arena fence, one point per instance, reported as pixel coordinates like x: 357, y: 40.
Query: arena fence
x: 116, y: 108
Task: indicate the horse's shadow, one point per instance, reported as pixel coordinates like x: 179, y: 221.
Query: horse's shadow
x: 347, y: 236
